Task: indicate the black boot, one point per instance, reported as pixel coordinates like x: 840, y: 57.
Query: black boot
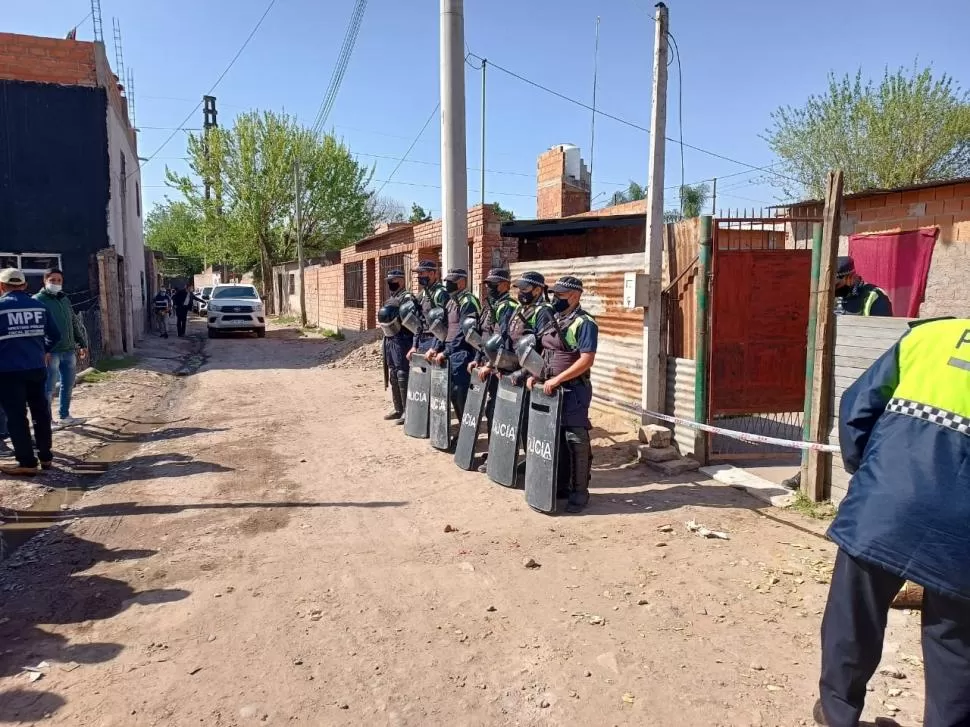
x: 397, y: 400
x: 580, y: 460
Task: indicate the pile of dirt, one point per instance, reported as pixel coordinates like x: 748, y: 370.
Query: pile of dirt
x: 363, y: 354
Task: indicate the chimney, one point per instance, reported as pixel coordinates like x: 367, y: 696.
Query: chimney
x: 563, y: 183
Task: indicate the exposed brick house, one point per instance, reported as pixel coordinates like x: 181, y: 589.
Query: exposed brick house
x: 944, y: 205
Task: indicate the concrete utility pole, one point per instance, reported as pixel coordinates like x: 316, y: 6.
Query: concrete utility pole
x: 454, y: 162
x: 484, y: 68
x: 652, y: 354
x: 298, y: 184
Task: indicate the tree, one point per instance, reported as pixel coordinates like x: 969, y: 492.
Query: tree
x: 385, y: 209
x: 908, y: 129
x: 418, y: 215
x: 503, y: 214
x: 175, y: 230
x: 693, y: 198
x: 632, y: 193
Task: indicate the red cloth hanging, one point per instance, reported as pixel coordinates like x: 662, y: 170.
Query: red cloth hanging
x: 898, y: 262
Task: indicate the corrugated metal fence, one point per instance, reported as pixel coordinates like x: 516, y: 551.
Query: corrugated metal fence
x: 680, y: 400
x: 859, y: 341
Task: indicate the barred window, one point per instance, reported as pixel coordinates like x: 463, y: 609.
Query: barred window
x: 354, y: 285
x: 292, y: 283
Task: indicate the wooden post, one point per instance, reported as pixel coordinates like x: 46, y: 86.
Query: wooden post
x: 818, y: 468
x: 110, y: 302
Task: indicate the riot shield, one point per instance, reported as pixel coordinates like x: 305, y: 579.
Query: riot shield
x: 503, y: 440
x: 542, y: 450
x: 470, y: 423
x: 419, y: 395
x: 439, y: 419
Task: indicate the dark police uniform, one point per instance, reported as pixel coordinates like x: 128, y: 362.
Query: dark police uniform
x: 160, y: 305
x: 27, y: 334
x: 904, y: 430
x: 861, y: 299
x: 182, y: 300
x: 396, y: 350
x: 573, y: 333
x: 457, y: 350
x: 431, y: 296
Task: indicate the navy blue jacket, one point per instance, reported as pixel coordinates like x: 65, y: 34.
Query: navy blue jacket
x: 27, y: 332
x: 904, y: 432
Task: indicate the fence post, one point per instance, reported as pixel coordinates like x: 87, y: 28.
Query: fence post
x: 818, y: 470
x: 701, y: 336
x: 810, y: 347
x: 109, y: 301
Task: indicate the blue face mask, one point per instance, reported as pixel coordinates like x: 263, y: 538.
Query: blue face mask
x: 560, y: 304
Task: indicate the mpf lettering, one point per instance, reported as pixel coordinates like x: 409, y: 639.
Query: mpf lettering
x: 25, y: 317
x: 506, y: 431
x: 540, y: 448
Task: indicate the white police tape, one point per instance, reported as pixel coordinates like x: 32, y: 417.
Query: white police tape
x: 741, y: 436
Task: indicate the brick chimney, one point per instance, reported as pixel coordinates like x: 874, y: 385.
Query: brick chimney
x: 563, y: 183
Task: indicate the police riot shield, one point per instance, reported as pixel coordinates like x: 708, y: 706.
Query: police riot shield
x: 439, y: 418
x: 419, y: 395
x: 470, y: 423
x: 503, y: 439
x: 542, y: 450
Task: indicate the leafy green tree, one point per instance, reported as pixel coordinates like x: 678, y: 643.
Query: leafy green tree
x: 693, y: 198
x: 632, y: 193
x: 909, y: 128
x: 503, y: 214
x: 175, y: 229
x: 418, y: 215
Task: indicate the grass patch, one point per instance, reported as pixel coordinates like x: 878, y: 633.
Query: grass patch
x: 105, y: 369
x: 332, y: 335
x: 288, y: 320
x: 815, y: 510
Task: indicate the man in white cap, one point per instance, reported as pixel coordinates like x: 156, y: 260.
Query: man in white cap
x: 28, y: 334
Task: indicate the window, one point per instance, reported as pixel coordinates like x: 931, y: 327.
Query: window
x: 34, y: 265
x: 234, y: 291
x: 354, y: 285
x: 292, y: 284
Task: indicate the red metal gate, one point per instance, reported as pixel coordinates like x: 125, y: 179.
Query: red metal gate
x: 761, y: 280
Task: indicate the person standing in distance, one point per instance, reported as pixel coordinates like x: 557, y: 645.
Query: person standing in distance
x: 461, y: 304
x: 569, y: 349
x: 904, y: 431
x: 432, y: 295
x: 27, y: 337
x: 161, y: 307
x: 396, y: 347
x: 63, y: 363
x: 182, y: 301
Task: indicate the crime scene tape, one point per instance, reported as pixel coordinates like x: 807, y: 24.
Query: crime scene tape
x: 741, y: 436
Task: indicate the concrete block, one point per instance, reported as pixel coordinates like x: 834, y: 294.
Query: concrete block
x: 657, y: 454
x: 757, y: 487
x: 655, y: 435
x: 675, y: 467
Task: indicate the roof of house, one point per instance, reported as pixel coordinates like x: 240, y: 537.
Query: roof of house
x: 875, y: 192
x: 567, y: 225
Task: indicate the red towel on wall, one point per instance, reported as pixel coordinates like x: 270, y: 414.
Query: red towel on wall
x: 898, y: 262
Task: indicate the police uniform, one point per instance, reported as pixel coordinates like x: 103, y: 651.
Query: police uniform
x: 27, y: 335
x: 161, y: 304
x: 904, y: 430
x: 571, y: 334
x: 861, y: 298
x: 461, y: 305
x: 395, y: 352
x: 432, y: 295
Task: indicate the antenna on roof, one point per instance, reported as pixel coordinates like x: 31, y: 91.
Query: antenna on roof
x: 130, y: 94
x: 96, y: 18
x: 119, y: 55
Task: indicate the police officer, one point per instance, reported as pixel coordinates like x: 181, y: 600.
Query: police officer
x: 432, y: 295
x: 161, y: 308
x: 396, y: 347
x: 28, y: 334
x: 569, y: 349
x: 903, y: 430
x: 859, y: 297
x: 461, y: 304
x: 494, y: 319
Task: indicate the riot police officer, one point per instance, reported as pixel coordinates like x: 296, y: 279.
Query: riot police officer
x: 495, y: 319
x: 397, y: 342
x: 859, y: 297
x: 461, y: 304
x: 433, y: 295
x: 569, y: 349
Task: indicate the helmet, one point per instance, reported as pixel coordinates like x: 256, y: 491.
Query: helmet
x: 498, y: 355
x: 438, y: 323
x: 410, y: 316
x: 469, y: 327
x: 389, y: 320
x: 529, y: 358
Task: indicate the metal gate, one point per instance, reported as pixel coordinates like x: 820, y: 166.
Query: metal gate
x: 760, y: 290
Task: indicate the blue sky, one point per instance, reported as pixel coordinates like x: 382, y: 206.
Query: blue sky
x: 740, y: 61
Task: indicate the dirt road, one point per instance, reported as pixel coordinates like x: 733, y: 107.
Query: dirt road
x: 288, y: 563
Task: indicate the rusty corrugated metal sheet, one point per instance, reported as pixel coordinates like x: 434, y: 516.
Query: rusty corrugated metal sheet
x: 680, y: 400
x: 619, y: 358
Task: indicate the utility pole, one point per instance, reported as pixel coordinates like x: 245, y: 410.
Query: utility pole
x: 454, y: 162
x: 652, y: 354
x: 297, y: 183
x: 714, y: 198
x: 592, y: 123
x: 484, y: 65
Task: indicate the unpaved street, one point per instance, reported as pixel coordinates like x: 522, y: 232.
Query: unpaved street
x: 287, y: 562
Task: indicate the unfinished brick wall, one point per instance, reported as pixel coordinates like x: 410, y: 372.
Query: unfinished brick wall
x: 557, y: 194
x: 47, y: 60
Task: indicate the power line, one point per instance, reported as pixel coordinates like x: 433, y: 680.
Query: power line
x: 410, y: 148
x: 680, y: 107
x: 214, y: 85
x: 343, y: 59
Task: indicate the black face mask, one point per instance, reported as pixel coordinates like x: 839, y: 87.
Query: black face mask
x: 526, y: 297
x: 393, y: 286
x: 492, y: 292
x: 451, y: 286
x: 424, y: 281
x: 560, y: 304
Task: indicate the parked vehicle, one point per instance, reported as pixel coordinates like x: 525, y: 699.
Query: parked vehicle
x: 199, y: 306
x: 235, y: 308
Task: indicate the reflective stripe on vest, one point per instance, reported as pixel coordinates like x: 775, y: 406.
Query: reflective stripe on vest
x: 499, y: 310
x: 934, y: 368
x: 573, y: 329
x: 871, y: 300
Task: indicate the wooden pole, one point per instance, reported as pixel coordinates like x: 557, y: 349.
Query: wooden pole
x: 819, y: 466
x: 301, y: 263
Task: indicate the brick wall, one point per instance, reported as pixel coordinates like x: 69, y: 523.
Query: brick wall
x: 556, y: 194
x: 598, y: 241
x: 47, y: 60
x: 636, y: 207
